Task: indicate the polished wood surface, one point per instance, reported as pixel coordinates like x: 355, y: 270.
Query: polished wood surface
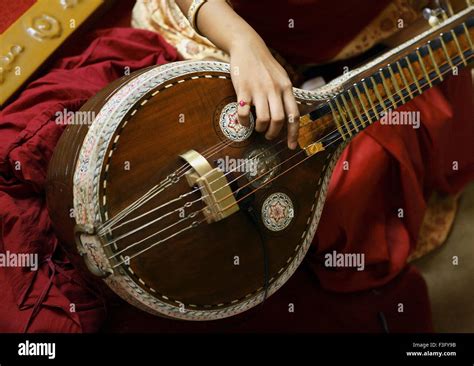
x: 214, y: 264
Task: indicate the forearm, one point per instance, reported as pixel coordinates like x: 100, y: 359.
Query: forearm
x: 218, y: 22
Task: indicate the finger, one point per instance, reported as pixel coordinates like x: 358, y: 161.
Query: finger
x: 293, y: 117
x: 243, y: 108
x: 277, y: 115
x: 263, y: 113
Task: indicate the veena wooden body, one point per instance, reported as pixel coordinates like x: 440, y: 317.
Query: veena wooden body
x: 187, y: 214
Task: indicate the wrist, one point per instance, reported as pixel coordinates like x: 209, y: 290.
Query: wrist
x: 247, y: 40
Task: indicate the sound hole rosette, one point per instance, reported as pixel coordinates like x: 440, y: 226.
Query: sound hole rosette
x: 230, y: 125
x: 277, y: 212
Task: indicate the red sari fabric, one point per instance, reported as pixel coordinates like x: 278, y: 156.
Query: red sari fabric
x: 393, y: 168
x: 308, y: 31
x: 41, y: 301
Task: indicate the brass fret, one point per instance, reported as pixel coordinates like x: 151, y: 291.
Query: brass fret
x: 420, y: 59
x: 468, y: 36
x: 377, y: 94
x: 395, y: 84
x: 405, y: 81
x: 445, y: 50
x: 433, y: 60
x: 338, y: 125
x: 410, y: 68
x: 387, y: 91
x: 369, y: 118
x: 343, y: 116
x: 344, y: 101
x: 370, y: 100
x: 356, y: 108
x: 304, y: 120
x: 461, y: 53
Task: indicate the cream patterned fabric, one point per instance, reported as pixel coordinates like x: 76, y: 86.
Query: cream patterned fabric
x: 165, y: 18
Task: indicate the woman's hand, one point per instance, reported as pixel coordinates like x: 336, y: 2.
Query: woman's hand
x: 261, y: 81
x: 258, y: 78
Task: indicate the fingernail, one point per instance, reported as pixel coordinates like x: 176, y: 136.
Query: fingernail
x: 292, y: 145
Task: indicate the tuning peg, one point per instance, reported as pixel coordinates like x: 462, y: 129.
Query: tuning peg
x: 432, y: 16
